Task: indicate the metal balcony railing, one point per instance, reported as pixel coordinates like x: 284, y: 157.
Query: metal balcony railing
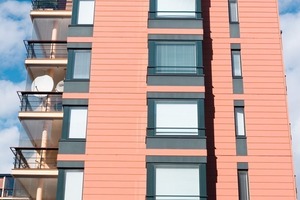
x: 46, y: 49
x: 41, y: 101
x: 51, y: 4
x: 34, y: 158
x: 14, y: 198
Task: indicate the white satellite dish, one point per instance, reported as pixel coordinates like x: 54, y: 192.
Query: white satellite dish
x: 60, y: 86
x: 42, y: 84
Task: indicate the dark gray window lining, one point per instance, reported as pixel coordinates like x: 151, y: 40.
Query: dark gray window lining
x: 76, y: 86
x: 176, y: 159
x: 72, y: 146
x: 175, y: 37
x: 175, y: 95
x: 79, y: 45
x: 80, y: 30
x: 81, y: 102
x: 70, y: 164
x: 239, y: 103
x: 242, y: 165
x: 178, y: 24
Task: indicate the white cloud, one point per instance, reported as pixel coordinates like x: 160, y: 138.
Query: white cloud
x: 15, y: 26
x: 9, y: 138
x: 9, y: 99
x: 291, y: 46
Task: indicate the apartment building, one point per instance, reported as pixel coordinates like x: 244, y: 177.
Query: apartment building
x: 155, y: 100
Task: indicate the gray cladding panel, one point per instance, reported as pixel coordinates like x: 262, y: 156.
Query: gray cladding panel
x: 71, y: 147
x: 175, y: 80
x: 178, y: 23
x: 241, y: 146
x: 238, y: 86
x: 80, y: 31
x: 76, y: 86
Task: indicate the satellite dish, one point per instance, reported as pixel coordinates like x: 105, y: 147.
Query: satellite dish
x: 60, y: 86
x: 42, y: 84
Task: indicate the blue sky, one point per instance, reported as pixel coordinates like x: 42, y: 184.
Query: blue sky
x: 15, y: 26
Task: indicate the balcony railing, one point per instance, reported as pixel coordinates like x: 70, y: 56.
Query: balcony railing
x: 46, y: 49
x: 51, y: 4
x: 41, y: 101
x: 14, y: 198
x: 34, y: 158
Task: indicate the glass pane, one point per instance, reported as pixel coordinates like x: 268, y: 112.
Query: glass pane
x: 82, y: 64
x: 176, y: 8
x: 176, y: 118
x: 176, y: 57
x: 182, y: 182
x: 236, y: 62
x: 78, y: 122
x: 73, y: 185
x: 86, y: 12
x: 243, y: 185
x: 233, y: 12
x: 240, y: 121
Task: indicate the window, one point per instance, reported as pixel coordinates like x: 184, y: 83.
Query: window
x: 73, y: 185
x: 84, y: 10
x: 78, y: 122
x: 80, y: 62
x: 175, y: 117
x: 175, y: 9
x: 175, y: 57
x: 236, y: 63
x: 233, y: 12
x: 180, y: 180
x: 243, y: 185
x: 239, y: 121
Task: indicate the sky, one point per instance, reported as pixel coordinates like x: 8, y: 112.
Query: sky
x: 15, y: 26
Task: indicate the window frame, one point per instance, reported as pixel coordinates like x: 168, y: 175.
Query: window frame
x: 153, y: 12
x: 71, y: 64
x: 151, y: 176
x: 151, y: 129
x: 233, y: 67
x: 236, y: 122
x: 152, y: 52
x: 61, y: 185
x: 67, y: 122
x: 243, y: 195
x: 233, y: 2
x: 75, y: 13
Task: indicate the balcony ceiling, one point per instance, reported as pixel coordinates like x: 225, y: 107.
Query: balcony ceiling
x: 35, y: 127
x: 58, y: 71
x: 30, y: 185
x: 50, y: 28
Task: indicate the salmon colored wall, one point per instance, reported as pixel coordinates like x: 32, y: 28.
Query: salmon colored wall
x: 267, y: 125
x: 115, y: 151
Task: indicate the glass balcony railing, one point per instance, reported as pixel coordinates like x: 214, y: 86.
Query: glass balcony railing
x: 34, y: 158
x: 51, y: 4
x: 46, y: 49
x: 41, y: 101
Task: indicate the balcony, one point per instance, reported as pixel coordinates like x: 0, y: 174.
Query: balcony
x: 35, y: 173
x: 51, y: 4
x: 41, y: 101
x: 46, y: 49
x: 34, y: 158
